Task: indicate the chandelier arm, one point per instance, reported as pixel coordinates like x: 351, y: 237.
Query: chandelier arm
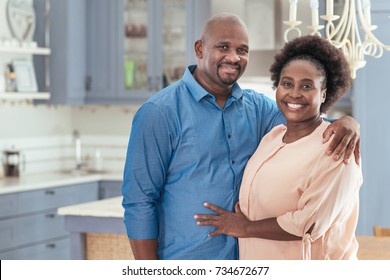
x: 367, y: 28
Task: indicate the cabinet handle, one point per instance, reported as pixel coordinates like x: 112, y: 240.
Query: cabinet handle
x: 50, y: 245
x: 50, y: 215
x: 50, y: 192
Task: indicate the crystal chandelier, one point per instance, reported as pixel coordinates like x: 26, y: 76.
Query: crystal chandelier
x: 344, y: 33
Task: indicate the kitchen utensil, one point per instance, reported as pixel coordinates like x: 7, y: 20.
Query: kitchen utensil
x: 13, y: 162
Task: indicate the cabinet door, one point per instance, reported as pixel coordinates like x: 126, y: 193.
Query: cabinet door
x: 370, y: 108
x: 68, y: 45
x: 136, y: 47
x: 102, y: 18
x: 108, y: 189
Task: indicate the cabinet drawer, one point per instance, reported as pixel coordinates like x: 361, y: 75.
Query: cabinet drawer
x: 31, y: 229
x: 57, y: 249
x: 40, y: 200
x: 110, y: 189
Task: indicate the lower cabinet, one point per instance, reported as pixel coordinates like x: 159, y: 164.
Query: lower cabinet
x: 29, y: 225
x: 53, y: 249
x: 109, y: 189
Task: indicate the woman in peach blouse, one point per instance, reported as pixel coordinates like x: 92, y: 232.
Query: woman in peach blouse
x: 295, y: 201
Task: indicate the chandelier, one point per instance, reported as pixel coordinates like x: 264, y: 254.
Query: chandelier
x: 342, y: 31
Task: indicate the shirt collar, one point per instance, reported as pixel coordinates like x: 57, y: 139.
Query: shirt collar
x: 198, y: 92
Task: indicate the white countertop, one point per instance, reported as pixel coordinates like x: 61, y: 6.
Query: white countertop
x: 52, y: 179
x: 109, y: 208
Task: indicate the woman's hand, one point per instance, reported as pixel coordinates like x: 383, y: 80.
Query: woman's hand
x: 346, y: 139
x: 233, y: 224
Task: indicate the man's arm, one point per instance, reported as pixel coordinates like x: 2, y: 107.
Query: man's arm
x: 144, y: 249
x: 346, y: 139
x: 147, y: 160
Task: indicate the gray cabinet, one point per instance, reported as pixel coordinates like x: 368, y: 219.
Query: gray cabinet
x: 29, y: 225
x: 120, y: 51
x: 108, y: 189
x: 370, y: 108
x: 67, y: 33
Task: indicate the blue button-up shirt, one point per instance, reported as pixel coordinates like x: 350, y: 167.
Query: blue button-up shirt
x: 184, y: 150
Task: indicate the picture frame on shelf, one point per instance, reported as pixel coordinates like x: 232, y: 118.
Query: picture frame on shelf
x: 25, y: 75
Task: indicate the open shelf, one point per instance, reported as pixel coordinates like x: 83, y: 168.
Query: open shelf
x: 24, y: 95
x: 24, y: 50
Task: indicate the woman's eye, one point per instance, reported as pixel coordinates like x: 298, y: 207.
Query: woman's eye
x: 307, y: 87
x: 286, y: 84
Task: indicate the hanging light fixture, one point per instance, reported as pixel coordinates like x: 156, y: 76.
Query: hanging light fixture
x: 344, y: 33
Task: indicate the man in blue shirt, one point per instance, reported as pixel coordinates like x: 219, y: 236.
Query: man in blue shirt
x: 190, y: 143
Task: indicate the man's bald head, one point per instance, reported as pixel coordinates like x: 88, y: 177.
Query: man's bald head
x: 223, y: 19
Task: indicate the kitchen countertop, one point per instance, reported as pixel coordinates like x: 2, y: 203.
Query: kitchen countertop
x: 109, y: 208
x: 52, y: 179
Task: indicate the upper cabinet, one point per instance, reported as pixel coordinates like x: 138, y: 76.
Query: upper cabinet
x: 120, y: 51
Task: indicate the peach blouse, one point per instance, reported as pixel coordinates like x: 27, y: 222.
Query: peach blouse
x: 300, y: 185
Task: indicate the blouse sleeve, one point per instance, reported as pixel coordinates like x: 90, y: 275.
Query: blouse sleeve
x: 332, y: 189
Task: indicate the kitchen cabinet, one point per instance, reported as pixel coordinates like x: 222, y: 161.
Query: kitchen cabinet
x: 120, y: 51
x: 370, y: 94
x: 109, y: 189
x: 135, y: 47
x: 68, y: 44
x: 29, y: 225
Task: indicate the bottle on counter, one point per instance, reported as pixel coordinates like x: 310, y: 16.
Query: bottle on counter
x: 98, y: 160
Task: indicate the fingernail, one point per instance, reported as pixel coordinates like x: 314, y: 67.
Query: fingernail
x: 328, y: 152
x: 195, y: 217
x: 336, y: 157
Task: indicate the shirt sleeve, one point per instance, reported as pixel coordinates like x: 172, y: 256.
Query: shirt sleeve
x: 146, y: 164
x: 331, y: 194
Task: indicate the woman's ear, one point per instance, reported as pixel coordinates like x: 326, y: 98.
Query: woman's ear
x: 323, y: 96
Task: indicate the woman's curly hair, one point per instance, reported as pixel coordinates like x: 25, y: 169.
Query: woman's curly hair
x: 322, y: 53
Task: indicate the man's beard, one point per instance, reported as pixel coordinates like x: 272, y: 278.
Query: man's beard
x: 230, y: 80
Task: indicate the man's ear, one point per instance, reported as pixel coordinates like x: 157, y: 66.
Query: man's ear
x: 198, y: 46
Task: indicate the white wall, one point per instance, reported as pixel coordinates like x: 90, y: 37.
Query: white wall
x: 44, y: 134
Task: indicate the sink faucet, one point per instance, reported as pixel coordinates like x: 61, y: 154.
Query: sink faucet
x: 77, y: 141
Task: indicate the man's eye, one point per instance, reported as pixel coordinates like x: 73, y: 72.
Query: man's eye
x: 242, y: 51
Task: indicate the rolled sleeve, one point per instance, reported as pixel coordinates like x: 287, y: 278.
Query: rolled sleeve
x: 144, y: 173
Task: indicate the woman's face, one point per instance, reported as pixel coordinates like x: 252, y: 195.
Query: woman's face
x: 299, y: 94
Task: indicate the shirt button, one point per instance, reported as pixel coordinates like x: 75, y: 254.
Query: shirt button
x: 229, y: 136
x: 233, y: 161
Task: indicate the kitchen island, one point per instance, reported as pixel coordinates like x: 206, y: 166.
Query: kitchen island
x: 100, y: 225
x: 97, y: 230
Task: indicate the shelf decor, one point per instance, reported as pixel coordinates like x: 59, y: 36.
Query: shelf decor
x: 25, y: 75
x: 21, y: 19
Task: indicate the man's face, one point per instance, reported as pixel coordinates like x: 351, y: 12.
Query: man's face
x: 224, y: 55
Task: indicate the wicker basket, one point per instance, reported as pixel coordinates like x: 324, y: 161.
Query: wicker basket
x: 107, y: 246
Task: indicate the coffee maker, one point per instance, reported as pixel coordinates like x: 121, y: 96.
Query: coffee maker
x: 12, y: 162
